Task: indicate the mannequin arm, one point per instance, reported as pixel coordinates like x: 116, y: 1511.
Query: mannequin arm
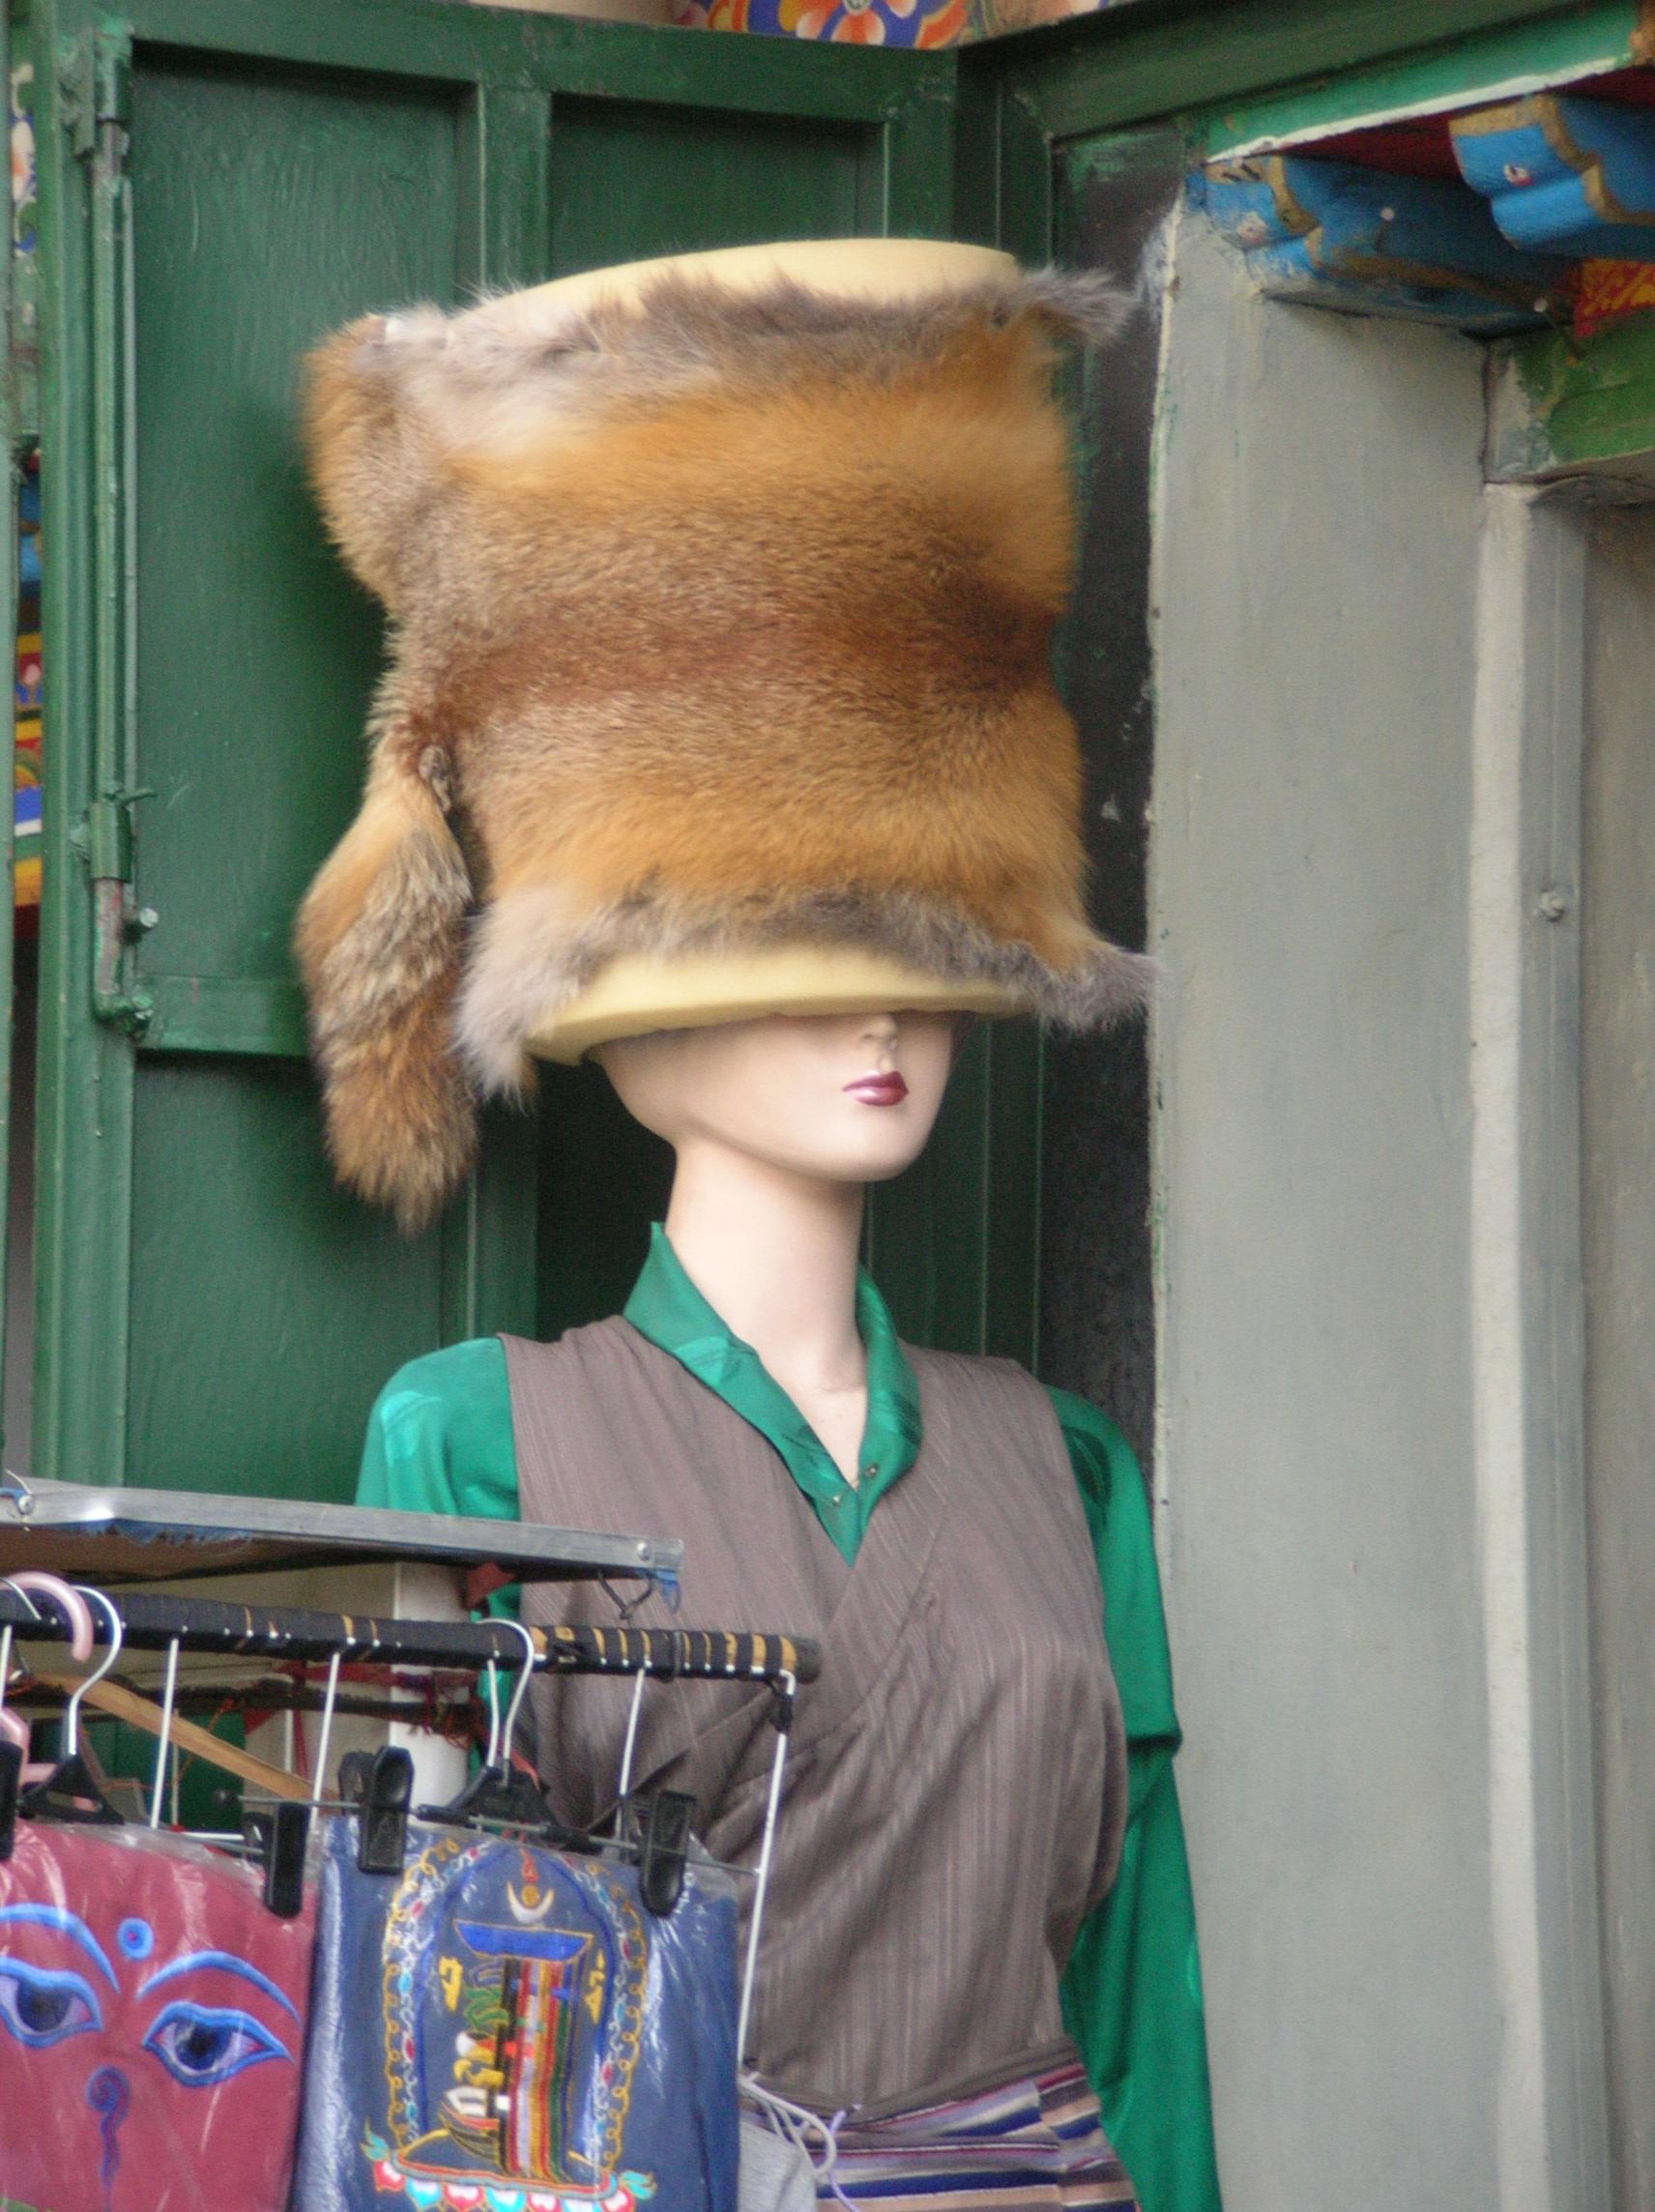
x: 439, y: 1438
x: 1132, y: 1991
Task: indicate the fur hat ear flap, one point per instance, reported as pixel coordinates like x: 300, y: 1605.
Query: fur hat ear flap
x: 379, y: 943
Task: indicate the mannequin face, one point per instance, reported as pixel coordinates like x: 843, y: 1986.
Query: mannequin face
x: 841, y: 1097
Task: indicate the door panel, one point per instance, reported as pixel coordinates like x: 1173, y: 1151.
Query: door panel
x: 267, y: 209
x: 270, y: 1307
x: 628, y: 183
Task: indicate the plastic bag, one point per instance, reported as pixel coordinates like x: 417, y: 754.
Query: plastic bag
x: 505, y: 2029
x: 776, y: 2174
x: 152, y: 2025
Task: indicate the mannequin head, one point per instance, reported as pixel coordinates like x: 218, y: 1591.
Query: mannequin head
x: 849, y: 1099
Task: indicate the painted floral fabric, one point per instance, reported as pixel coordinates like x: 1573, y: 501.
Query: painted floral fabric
x: 918, y: 23
x: 852, y: 22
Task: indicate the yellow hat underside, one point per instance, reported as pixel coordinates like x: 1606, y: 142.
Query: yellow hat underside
x: 878, y: 268
x: 638, y: 993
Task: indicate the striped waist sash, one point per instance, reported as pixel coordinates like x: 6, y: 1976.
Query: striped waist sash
x: 1034, y: 2145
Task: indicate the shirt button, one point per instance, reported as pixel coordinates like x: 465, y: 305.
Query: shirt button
x: 868, y: 1472
x: 838, y: 1498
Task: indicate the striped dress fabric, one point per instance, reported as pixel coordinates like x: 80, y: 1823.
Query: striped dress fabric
x: 1030, y: 2146
x: 956, y: 1782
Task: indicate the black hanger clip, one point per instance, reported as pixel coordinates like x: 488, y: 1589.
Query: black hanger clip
x: 663, y: 1847
x: 379, y: 1785
x: 495, y: 1796
x: 71, y: 1794
x: 10, y: 1784
x: 281, y: 1836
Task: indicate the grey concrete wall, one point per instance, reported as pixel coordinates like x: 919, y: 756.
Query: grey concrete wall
x: 1618, y: 1038
x: 1319, y: 507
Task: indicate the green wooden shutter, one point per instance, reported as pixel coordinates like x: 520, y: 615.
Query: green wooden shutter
x: 220, y: 185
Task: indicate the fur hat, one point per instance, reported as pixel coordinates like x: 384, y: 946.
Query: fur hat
x: 722, y: 594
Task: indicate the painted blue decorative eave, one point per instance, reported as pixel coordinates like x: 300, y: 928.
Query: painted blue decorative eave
x: 1329, y: 234
x: 1564, y: 175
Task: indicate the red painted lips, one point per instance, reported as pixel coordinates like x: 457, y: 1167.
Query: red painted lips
x: 878, y: 1089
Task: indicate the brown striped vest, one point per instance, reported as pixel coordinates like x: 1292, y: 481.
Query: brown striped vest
x: 956, y: 1785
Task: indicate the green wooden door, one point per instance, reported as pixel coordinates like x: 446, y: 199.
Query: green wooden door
x: 220, y: 184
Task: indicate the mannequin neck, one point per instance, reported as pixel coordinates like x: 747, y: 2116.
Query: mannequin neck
x: 775, y: 1254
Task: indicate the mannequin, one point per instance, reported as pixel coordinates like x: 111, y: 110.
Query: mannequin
x: 779, y: 1124
x: 720, y: 743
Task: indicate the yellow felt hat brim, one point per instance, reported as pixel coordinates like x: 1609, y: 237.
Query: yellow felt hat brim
x: 878, y: 269
x: 638, y: 994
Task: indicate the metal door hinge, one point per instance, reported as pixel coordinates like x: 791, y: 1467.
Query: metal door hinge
x: 95, y: 83
x: 104, y: 840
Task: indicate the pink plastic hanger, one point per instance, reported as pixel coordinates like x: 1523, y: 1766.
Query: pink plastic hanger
x: 84, y: 1636
x: 83, y: 1630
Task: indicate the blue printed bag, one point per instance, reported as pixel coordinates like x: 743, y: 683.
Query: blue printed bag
x: 507, y: 2028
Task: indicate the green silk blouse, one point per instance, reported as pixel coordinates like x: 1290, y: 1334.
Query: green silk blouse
x: 440, y: 1439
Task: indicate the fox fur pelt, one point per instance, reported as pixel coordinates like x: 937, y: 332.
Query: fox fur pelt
x: 717, y: 619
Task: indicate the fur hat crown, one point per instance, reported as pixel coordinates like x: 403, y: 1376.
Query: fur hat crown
x: 721, y: 620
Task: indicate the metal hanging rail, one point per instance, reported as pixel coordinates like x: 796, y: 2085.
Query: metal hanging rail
x: 153, y: 1622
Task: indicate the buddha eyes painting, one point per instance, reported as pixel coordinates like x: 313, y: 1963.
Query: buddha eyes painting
x: 152, y: 2028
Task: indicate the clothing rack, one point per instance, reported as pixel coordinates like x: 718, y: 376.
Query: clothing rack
x: 653, y: 1829
x: 153, y: 1622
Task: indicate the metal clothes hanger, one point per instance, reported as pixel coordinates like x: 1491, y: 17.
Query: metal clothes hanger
x: 16, y: 1774
x: 70, y: 1792
x: 164, y: 1741
x: 69, y: 1600
x: 13, y: 1744
x: 786, y: 1689
x: 13, y: 1728
x: 498, y: 1795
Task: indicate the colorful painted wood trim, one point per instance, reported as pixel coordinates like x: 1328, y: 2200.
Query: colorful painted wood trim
x: 1504, y: 62
x: 1329, y: 234
x: 1564, y: 175
x: 1259, y: 73
x: 920, y: 24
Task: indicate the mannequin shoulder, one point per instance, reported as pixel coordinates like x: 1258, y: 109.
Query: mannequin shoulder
x: 439, y: 1387
x: 439, y: 1437
x: 1110, y: 1481
x: 1101, y: 1453
x: 1103, y: 1462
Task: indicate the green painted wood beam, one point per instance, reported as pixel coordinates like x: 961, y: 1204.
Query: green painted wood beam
x: 1558, y: 408
x: 84, y: 1105
x: 244, y: 1017
x: 505, y: 146
x: 1506, y: 62
x: 913, y: 191
x: 1145, y: 62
